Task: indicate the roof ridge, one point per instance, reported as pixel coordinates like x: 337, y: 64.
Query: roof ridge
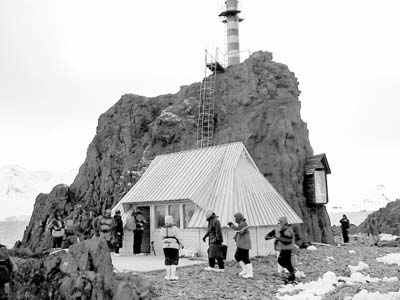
x: 200, y: 149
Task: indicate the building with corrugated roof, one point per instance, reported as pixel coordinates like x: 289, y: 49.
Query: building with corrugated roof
x: 186, y: 184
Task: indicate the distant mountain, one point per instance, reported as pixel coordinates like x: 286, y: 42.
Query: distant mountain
x: 19, y: 188
x: 368, y: 200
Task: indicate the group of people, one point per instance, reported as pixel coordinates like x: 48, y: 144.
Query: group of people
x: 284, y: 243
x: 372, y: 229
x: 80, y: 225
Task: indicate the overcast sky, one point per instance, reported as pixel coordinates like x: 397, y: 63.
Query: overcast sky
x: 63, y: 63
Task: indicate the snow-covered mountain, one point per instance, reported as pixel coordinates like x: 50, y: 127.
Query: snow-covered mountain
x: 19, y: 188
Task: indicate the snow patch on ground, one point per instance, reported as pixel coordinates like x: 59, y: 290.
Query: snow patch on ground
x: 360, y: 267
x: 315, y: 290
x: 387, y: 237
x: 365, y: 295
x: 391, y: 258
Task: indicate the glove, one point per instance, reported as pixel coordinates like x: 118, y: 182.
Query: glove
x: 204, y: 239
x: 230, y: 224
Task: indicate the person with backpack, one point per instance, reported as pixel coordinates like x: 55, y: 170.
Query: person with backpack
x: 215, y: 239
x: 243, y: 244
x: 345, y: 225
x: 373, y: 230
x: 285, y: 244
x: 7, y: 268
x: 171, y: 245
x: 57, y: 230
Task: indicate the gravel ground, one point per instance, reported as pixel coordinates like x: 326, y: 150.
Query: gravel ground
x: 195, y: 283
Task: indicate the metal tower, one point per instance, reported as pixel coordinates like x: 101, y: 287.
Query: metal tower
x: 205, y: 121
x: 231, y: 19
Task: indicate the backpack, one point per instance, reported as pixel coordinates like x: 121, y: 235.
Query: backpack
x: 130, y: 223
x: 5, y: 266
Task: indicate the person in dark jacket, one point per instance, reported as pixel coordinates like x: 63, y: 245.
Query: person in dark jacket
x: 243, y: 244
x: 345, y: 224
x: 119, y: 231
x: 138, y: 231
x: 214, y: 234
x: 285, y: 244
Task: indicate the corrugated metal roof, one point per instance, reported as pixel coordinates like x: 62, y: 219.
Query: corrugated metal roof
x: 223, y: 178
x: 314, y: 162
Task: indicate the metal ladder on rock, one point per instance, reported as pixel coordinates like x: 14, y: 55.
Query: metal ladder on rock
x: 205, y: 121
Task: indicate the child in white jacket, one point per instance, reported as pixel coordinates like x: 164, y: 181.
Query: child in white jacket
x: 171, y: 245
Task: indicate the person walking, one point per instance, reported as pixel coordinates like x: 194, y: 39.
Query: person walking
x: 345, y: 225
x: 119, y: 231
x: 243, y: 244
x: 373, y: 230
x: 215, y: 239
x: 285, y: 244
x: 171, y: 245
x: 138, y: 231
x: 57, y: 230
x: 106, y: 228
x: 7, y: 268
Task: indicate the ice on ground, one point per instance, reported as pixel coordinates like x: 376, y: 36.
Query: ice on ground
x: 360, y: 267
x: 315, y: 290
x: 312, y: 248
x: 365, y: 295
x: 391, y: 258
x: 352, y: 251
x: 387, y: 237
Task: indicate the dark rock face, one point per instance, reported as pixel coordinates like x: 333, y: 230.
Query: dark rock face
x: 388, y: 219
x: 84, y: 273
x: 256, y: 102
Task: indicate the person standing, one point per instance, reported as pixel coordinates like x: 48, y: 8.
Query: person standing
x: 107, y: 227
x: 57, y: 230
x: 138, y: 231
x: 243, y: 245
x: 215, y: 239
x: 119, y: 231
x: 7, y: 268
x: 373, y: 230
x: 285, y: 244
x: 345, y: 224
x: 171, y: 245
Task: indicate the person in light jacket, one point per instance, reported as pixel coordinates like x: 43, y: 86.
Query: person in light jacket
x: 373, y: 230
x: 243, y: 244
x: 171, y: 245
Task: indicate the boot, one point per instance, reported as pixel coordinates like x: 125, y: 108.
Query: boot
x: 168, y: 270
x: 173, y: 272
x: 249, y: 271
x: 241, y: 273
x: 292, y: 277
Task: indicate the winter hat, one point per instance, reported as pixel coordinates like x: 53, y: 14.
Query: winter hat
x: 283, y: 220
x: 168, y: 220
x: 239, y: 215
x: 209, y: 214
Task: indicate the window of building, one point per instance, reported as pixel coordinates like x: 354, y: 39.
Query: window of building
x: 173, y: 211
x: 188, y: 211
x: 159, y: 212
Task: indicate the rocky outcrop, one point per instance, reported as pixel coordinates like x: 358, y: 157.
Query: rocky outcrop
x: 388, y: 218
x: 256, y: 102
x: 84, y: 272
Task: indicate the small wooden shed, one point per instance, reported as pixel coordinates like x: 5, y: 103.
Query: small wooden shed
x: 186, y: 184
x: 315, y: 181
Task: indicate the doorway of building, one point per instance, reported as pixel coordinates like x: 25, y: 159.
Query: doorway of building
x: 146, y: 233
